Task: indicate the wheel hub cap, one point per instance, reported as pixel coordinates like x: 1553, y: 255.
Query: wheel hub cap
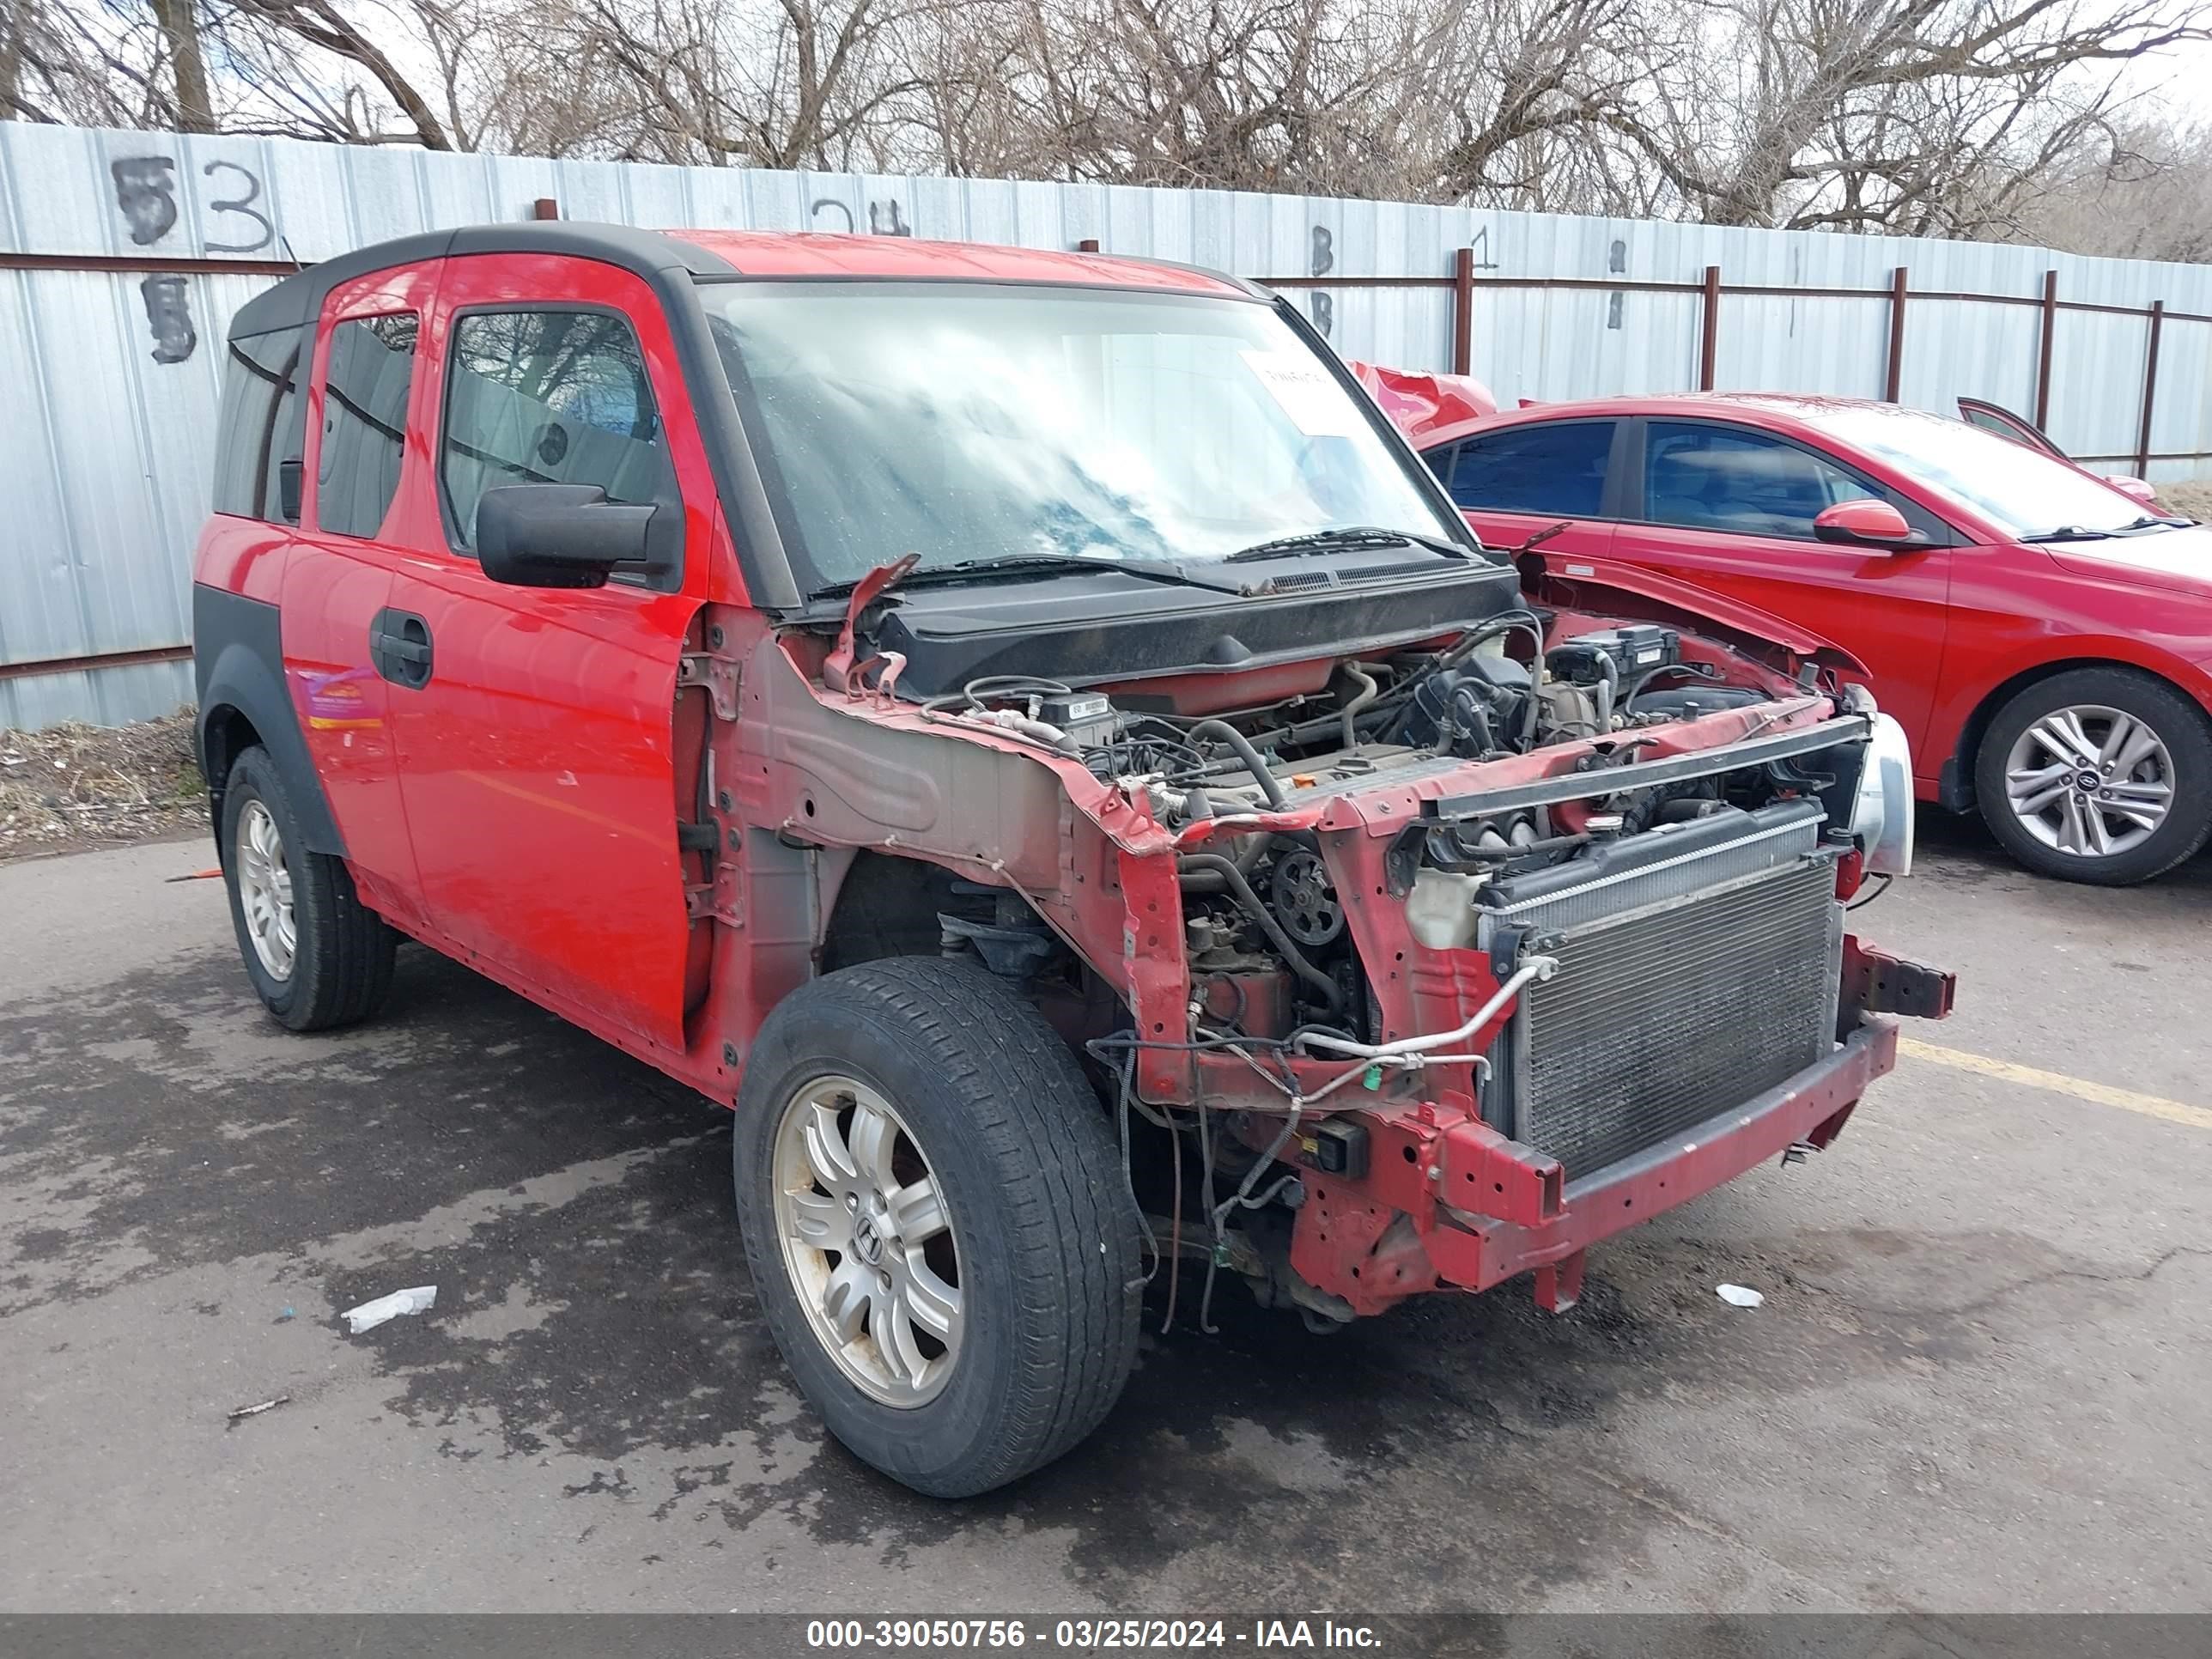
x: 867, y: 1241
x: 265, y: 891
x: 2089, y: 780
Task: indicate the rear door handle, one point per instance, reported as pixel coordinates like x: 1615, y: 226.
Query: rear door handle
x: 400, y: 647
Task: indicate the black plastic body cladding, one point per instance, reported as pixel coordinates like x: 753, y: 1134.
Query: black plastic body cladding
x: 238, y: 660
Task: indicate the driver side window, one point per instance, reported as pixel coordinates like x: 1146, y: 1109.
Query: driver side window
x: 548, y: 397
x: 1750, y: 484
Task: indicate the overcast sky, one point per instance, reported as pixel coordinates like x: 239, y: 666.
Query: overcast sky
x: 2181, y: 78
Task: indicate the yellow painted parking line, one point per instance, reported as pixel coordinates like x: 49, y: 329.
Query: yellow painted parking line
x: 2101, y: 1094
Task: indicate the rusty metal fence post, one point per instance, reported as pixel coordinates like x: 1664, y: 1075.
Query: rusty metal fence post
x: 1462, y: 355
x: 2043, y: 354
x: 1709, y: 333
x: 1893, y: 383
x: 2151, y: 388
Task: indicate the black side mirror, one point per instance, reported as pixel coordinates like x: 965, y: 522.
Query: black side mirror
x: 549, y: 534
x: 288, y: 489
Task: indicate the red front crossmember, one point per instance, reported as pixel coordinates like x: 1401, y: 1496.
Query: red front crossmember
x: 1447, y: 1200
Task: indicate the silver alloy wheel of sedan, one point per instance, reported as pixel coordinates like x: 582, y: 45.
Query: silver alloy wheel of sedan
x: 265, y: 891
x: 867, y: 1241
x: 2090, y: 781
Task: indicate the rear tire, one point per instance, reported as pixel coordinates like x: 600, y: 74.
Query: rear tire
x: 937, y: 1222
x: 2098, y: 775
x: 317, y: 956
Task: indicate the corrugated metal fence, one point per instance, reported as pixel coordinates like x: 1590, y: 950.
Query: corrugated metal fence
x: 123, y: 255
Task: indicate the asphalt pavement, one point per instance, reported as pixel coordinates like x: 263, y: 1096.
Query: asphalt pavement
x: 1978, y: 1381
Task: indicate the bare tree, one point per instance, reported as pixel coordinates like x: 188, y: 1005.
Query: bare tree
x: 179, y: 23
x: 279, y: 28
x: 527, y: 77
x: 2143, y: 192
x: 18, y: 19
x: 1985, y: 117
x: 1238, y: 94
x: 1530, y: 87
x: 101, y: 65
x: 775, y: 83
x: 1863, y: 114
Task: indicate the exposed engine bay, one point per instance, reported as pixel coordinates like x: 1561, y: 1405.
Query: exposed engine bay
x: 1662, y: 942
x: 1273, y: 904
x: 1387, y: 944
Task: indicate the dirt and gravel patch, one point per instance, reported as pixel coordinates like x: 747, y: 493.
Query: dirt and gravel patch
x: 2194, y: 498
x: 75, y: 786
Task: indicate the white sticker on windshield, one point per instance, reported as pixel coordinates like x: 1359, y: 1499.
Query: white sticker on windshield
x: 1316, y: 404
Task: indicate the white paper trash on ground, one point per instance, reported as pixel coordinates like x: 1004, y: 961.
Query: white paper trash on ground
x: 1736, y: 1296
x: 370, y: 1315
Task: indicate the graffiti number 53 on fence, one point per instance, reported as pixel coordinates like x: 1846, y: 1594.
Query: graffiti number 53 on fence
x: 146, y: 196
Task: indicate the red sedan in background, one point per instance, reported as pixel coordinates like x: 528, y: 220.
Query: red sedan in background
x: 2045, y: 638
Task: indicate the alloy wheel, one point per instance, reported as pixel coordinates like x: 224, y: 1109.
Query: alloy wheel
x: 867, y: 1240
x: 2089, y: 780
x: 265, y: 891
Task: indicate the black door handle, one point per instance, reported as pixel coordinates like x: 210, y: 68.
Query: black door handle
x: 399, y: 647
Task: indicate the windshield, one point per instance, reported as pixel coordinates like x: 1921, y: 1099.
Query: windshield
x: 2022, y: 490
x: 969, y: 422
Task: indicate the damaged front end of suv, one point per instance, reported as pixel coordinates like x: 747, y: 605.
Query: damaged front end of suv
x: 1426, y: 916
x: 1416, y: 966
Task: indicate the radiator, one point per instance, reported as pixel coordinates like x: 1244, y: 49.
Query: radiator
x: 1698, y: 969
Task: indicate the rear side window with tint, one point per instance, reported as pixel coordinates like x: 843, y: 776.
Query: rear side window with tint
x: 1557, y: 467
x: 260, y: 375
x: 548, y: 397
x: 372, y: 368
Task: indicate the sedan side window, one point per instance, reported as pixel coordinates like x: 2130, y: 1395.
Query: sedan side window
x: 1712, y: 477
x: 548, y: 397
x: 1555, y: 467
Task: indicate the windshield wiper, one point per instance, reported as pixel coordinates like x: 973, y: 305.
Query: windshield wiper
x: 1024, y: 564
x: 2075, y: 532
x: 1343, y: 539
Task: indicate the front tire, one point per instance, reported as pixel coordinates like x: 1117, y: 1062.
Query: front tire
x: 937, y: 1222
x: 2097, y: 775
x: 317, y: 956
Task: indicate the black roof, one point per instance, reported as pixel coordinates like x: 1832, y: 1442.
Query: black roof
x: 298, y: 299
